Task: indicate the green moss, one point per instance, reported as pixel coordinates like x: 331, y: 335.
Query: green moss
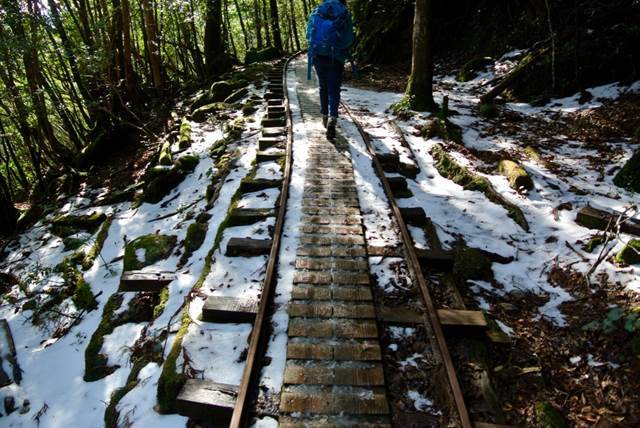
x: 593, y: 243
x: 533, y: 154
x: 629, y: 176
x: 87, y: 222
x: 249, y: 108
x: 156, y: 247
x: 471, y: 263
x: 187, y: 163
x: 95, y: 364
x: 163, y: 298
x: 162, y: 184
x: 470, y: 69
x: 548, y: 416
x: 196, y: 232
x: 235, y: 128
x: 442, y: 128
x: 184, y: 137
x: 630, y: 253
x: 200, y: 115
x: 221, y: 90
x: 170, y: 382
x: 518, y: 177
x: 75, y: 286
x: 237, y: 96
x: 94, y: 251
x: 165, y: 155
x: 72, y: 243
x: 449, y: 168
x: 488, y: 110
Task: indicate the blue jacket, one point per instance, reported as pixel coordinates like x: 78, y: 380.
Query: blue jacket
x: 343, y: 52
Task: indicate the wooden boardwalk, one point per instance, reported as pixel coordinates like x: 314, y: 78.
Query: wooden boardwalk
x: 333, y: 374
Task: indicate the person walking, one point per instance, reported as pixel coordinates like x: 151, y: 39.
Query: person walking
x: 329, y: 36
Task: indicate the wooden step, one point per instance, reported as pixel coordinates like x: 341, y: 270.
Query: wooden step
x: 247, y: 247
x: 273, y: 96
x: 319, y: 327
x: 244, y: 216
x: 274, y: 132
x: 390, y: 162
x: 281, y: 110
x: 414, y: 216
x: 324, y: 292
x: 410, y: 170
x: 273, y: 123
x: 333, y: 373
x: 334, y: 400
x: 268, y: 142
x: 376, y: 251
x: 399, y: 186
x: 269, y: 156
x: 275, y: 103
x: 207, y: 401
x: 223, y: 309
x: 343, y: 421
x: 139, y: 281
x: 253, y: 185
x: 400, y: 315
x: 319, y: 309
x: 594, y: 218
x: 328, y: 349
x: 436, y: 260
x: 462, y: 318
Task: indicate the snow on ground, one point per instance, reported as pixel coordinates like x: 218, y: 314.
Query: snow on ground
x: 483, y: 224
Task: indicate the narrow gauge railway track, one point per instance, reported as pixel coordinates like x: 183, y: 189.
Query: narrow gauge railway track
x: 334, y: 370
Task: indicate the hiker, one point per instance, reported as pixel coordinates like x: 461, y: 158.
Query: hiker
x: 329, y: 36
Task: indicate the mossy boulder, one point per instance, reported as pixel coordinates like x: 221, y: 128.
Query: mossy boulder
x: 196, y: 232
x: 76, y: 287
x: 70, y: 243
x: 165, y: 180
x: 249, y: 108
x: 518, y: 177
x: 165, y: 158
x: 629, y: 176
x: 488, y: 110
x: 221, y: 90
x: 470, y: 69
x: 548, y: 416
x: 471, y: 263
x: 155, y: 247
x: 630, y: 253
x: 67, y: 225
x: 533, y: 154
x: 442, y: 128
x: 187, y: 163
x: 236, y: 96
x: 184, y: 136
x: 201, y: 114
x: 234, y: 128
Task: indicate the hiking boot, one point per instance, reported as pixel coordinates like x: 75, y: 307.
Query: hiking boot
x: 325, y: 118
x: 331, y: 128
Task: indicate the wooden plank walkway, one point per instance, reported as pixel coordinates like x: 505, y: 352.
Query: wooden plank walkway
x: 333, y: 370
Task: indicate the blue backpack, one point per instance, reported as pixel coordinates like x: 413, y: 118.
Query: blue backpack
x: 329, y: 32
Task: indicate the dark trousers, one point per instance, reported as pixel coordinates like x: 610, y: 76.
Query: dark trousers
x: 329, y: 73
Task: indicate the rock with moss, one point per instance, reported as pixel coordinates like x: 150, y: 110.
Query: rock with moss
x: 488, y: 110
x: 92, y: 253
x: 470, y: 69
x: 249, y: 108
x: 630, y: 253
x: 533, y: 154
x: 234, y: 128
x: 87, y: 222
x: 268, y: 54
x: 171, y: 382
x: 71, y: 243
x: 96, y: 364
x: 187, y: 163
x: 518, y: 177
x: 162, y: 184
x: 75, y: 286
x: 201, y: 114
x: 184, y: 136
x: 221, y: 90
x: 629, y: 176
x: 471, y: 263
x: 548, y: 416
x: 449, y: 168
x: 593, y: 243
x: 442, y: 128
x: 153, y: 247
x: 165, y: 157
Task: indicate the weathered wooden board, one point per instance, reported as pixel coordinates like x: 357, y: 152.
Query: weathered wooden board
x: 243, y: 216
x: 145, y: 281
x: 207, y: 401
x: 269, y: 156
x: 462, y: 318
x: 223, y: 309
x: 247, y: 247
x: 594, y: 218
x: 414, y: 216
x: 247, y: 186
x: 436, y: 260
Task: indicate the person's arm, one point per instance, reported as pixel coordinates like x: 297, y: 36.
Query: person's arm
x: 349, y: 36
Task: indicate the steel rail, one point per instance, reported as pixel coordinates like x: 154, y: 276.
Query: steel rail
x: 258, y: 334
x: 414, y: 265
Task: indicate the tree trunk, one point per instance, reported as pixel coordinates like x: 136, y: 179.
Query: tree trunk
x: 216, y: 61
x: 242, y: 27
x: 8, y: 213
x: 153, y: 44
x: 420, y: 87
x: 294, y: 24
x: 229, y: 32
x: 275, y: 24
x: 258, y: 22
x: 265, y: 20
x: 129, y: 74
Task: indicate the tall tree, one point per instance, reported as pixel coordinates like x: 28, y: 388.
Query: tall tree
x: 258, y: 22
x: 420, y: 88
x: 275, y: 24
x: 216, y: 61
x: 8, y: 213
x: 153, y: 44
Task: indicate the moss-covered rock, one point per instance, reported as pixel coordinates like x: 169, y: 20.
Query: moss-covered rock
x: 593, y: 243
x: 220, y: 90
x: 163, y: 183
x: 187, y: 163
x: 449, y: 168
x: 93, y: 252
x: 249, y: 108
x: 71, y: 243
x: 442, y: 128
x: 533, y: 154
x: 471, y: 263
x: 196, y: 232
x: 268, y: 54
x: 86, y: 222
x: 488, y: 110
x: 548, y: 417
x: 234, y: 128
x: 201, y: 114
x: 75, y: 286
x: 629, y: 176
x: 165, y: 155
x: 630, y: 253
x: 96, y: 364
x: 236, y: 96
x: 518, y: 177
x: 156, y: 248
x: 470, y: 69
x: 170, y: 382
x: 184, y: 136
